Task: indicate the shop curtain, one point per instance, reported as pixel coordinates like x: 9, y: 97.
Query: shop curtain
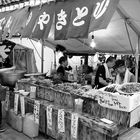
x: 80, y: 19
x: 62, y: 19
x: 44, y: 21
x: 30, y: 23
x: 102, y: 14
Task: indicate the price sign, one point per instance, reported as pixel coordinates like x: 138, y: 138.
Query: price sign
x: 36, y: 111
x: 7, y: 101
x: 16, y: 103
x: 74, y: 125
x: 61, y: 121
x: 49, y: 117
x: 32, y: 89
x: 22, y: 101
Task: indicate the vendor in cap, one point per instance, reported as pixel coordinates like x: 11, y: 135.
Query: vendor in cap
x: 123, y: 73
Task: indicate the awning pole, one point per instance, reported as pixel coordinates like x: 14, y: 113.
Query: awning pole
x: 137, y: 59
x: 42, y: 57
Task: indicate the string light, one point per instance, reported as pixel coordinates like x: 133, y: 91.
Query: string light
x: 92, y: 44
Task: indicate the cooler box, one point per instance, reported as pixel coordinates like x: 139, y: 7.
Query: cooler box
x: 30, y: 128
x: 15, y: 120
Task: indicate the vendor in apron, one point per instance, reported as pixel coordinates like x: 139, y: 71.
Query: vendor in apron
x: 123, y: 73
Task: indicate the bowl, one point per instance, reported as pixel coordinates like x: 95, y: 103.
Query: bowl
x: 25, y: 93
x: 9, y: 78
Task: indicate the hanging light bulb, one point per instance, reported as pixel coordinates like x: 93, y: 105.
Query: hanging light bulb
x: 92, y: 44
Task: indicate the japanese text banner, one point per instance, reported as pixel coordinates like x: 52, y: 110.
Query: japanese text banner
x: 44, y: 21
x: 80, y: 19
x: 62, y: 19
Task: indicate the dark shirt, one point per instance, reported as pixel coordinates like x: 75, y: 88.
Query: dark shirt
x: 100, y: 73
x: 61, y: 70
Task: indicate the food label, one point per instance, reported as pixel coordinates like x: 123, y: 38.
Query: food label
x: 22, y: 102
x: 36, y: 111
x: 32, y: 89
x: 7, y: 101
x: 49, y: 117
x: 61, y: 121
x: 16, y: 103
x: 74, y: 125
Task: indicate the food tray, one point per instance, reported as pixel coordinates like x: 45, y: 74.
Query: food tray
x: 127, y: 87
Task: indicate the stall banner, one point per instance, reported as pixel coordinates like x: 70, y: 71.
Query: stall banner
x: 16, y: 103
x: 3, y: 18
x: 74, y: 125
x: 61, y: 121
x: 22, y: 102
x: 5, y: 48
x: 36, y: 111
x: 19, y: 22
x: 7, y: 26
x: 80, y: 19
x: 31, y: 20
x: 62, y: 19
x: 44, y: 21
x: 102, y: 14
x: 7, y: 100
x: 49, y: 117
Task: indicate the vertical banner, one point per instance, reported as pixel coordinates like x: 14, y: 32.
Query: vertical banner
x: 62, y: 19
x: 7, y: 100
x: 74, y: 125
x: 49, y: 117
x: 36, y: 111
x: 61, y: 121
x: 102, y: 14
x: 16, y: 103
x: 31, y: 20
x: 80, y: 19
x: 32, y: 92
x: 22, y: 102
x: 44, y: 21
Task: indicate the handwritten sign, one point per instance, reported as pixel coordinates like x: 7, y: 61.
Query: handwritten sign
x: 117, y: 101
x: 16, y: 103
x: 74, y: 125
x: 36, y: 111
x: 32, y: 89
x: 7, y: 101
x: 49, y: 117
x: 61, y: 121
x: 22, y: 102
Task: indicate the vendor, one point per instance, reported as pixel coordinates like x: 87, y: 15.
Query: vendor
x: 123, y: 73
x: 103, y: 75
x: 61, y: 71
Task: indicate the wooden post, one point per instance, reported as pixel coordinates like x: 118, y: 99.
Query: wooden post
x: 137, y: 59
x: 55, y: 60
x: 42, y: 57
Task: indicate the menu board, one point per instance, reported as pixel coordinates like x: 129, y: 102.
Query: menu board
x: 61, y: 121
x: 36, y: 111
x: 49, y: 117
x: 22, y: 102
x: 16, y: 103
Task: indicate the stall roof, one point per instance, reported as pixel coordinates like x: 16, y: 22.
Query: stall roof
x: 121, y: 35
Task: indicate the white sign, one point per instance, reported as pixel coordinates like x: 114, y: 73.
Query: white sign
x: 101, y: 8
x: 80, y: 14
x: 49, y: 117
x: 7, y: 101
x: 61, y: 121
x: 32, y: 89
x: 36, y: 111
x: 16, y: 103
x: 74, y: 125
x: 61, y: 20
x: 117, y: 101
x: 22, y: 102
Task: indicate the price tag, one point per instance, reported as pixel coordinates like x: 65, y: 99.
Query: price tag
x: 32, y: 89
x: 74, y: 126
x: 16, y: 103
x: 36, y: 111
x: 22, y: 101
x: 61, y: 121
x: 7, y: 101
x: 49, y: 117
